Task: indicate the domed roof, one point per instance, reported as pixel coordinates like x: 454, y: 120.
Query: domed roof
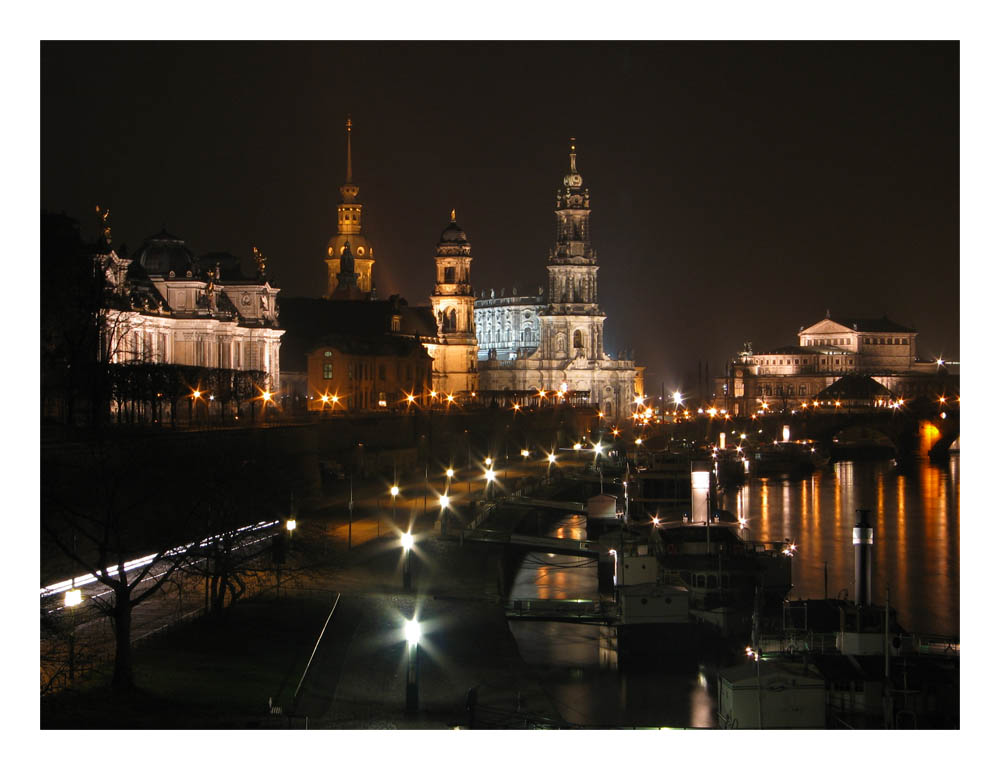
x: 453, y: 233
x: 162, y: 253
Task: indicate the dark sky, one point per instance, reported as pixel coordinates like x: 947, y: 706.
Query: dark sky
x: 738, y: 190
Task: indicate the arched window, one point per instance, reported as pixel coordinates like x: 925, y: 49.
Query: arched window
x: 577, y: 339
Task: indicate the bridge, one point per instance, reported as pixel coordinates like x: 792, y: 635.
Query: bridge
x: 910, y: 429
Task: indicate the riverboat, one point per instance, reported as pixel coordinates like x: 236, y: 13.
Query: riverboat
x: 788, y: 457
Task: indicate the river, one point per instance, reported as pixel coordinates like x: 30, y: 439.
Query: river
x: 915, y: 515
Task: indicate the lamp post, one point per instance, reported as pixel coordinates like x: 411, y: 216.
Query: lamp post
x: 491, y: 476
x: 72, y: 599
x: 449, y: 474
x: 443, y: 500
x: 406, y: 540
x: 411, y: 631
x: 548, y: 469
x: 394, y: 490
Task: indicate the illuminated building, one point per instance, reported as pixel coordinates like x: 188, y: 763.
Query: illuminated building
x: 454, y: 350
x: 508, y: 327
x: 367, y: 373
x: 828, y: 351
x: 169, y: 307
x: 349, y: 235
x: 570, y: 352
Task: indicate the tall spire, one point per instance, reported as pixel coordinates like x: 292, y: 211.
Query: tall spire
x: 572, y: 154
x: 349, y: 190
x: 453, y: 215
x: 348, y: 149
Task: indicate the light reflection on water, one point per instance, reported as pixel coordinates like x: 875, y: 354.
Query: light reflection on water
x: 578, y: 664
x: 916, y: 517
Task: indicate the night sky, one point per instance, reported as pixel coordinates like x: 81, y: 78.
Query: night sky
x: 738, y: 190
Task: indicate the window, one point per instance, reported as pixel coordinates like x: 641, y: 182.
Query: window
x: 327, y: 371
x: 802, y: 390
x: 577, y: 339
x: 449, y: 275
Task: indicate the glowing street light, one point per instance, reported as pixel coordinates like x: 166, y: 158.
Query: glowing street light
x: 678, y: 398
x: 394, y: 491
x: 489, y: 462
x: 525, y: 453
x: 411, y: 631
x: 290, y: 525
x: 577, y: 446
x: 638, y: 442
x: 406, y: 541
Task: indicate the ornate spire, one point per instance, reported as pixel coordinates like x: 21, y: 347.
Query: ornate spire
x: 453, y: 215
x: 349, y: 190
x: 348, y: 149
x: 572, y: 155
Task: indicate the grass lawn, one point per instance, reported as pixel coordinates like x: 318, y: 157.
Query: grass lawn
x: 207, y: 674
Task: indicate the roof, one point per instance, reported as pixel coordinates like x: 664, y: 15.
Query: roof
x: 308, y: 320
x: 375, y: 345
x: 882, y: 324
x: 856, y: 387
x: 796, y: 350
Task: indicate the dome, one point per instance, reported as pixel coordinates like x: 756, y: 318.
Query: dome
x: 163, y: 253
x: 454, y: 234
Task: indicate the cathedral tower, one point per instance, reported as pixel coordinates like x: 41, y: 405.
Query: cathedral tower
x: 349, y: 229
x: 453, y: 303
x: 572, y: 325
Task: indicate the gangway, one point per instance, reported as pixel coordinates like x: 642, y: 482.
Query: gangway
x: 583, y: 610
x: 536, y: 503
x: 562, y: 545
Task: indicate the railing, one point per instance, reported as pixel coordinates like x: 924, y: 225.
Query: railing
x: 589, y: 609
x: 792, y: 642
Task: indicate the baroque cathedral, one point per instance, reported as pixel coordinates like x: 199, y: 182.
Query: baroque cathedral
x: 569, y: 353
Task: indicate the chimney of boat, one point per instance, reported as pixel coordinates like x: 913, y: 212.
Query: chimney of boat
x: 863, y: 538
x: 701, y: 488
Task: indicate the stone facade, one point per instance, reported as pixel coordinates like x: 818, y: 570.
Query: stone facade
x: 508, y: 327
x: 452, y: 303
x: 174, y: 308
x: 570, y: 353
x: 787, y: 376
x: 351, y: 373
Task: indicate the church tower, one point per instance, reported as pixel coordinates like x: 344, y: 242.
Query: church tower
x: 572, y: 325
x: 452, y: 302
x: 349, y: 234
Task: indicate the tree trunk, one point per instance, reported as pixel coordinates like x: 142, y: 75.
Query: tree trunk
x: 121, y: 681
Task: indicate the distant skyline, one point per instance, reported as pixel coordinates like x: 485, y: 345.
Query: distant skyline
x: 739, y: 190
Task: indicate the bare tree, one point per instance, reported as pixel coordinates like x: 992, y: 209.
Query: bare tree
x: 104, y: 507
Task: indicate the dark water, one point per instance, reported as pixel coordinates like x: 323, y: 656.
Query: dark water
x: 578, y: 665
x: 915, y: 514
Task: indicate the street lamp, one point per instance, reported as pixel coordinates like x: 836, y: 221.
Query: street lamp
x: 489, y: 461
x: 411, y: 630
x: 449, y: 473
x: 525, y: 453
x: 548, y: 469
x: 394, y: 490
x: 290, y: 525
x: 406, y: 540
x: 491, y: 476
x: 72, y: 598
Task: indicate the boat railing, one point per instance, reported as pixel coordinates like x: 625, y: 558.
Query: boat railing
x: 793, y: 643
